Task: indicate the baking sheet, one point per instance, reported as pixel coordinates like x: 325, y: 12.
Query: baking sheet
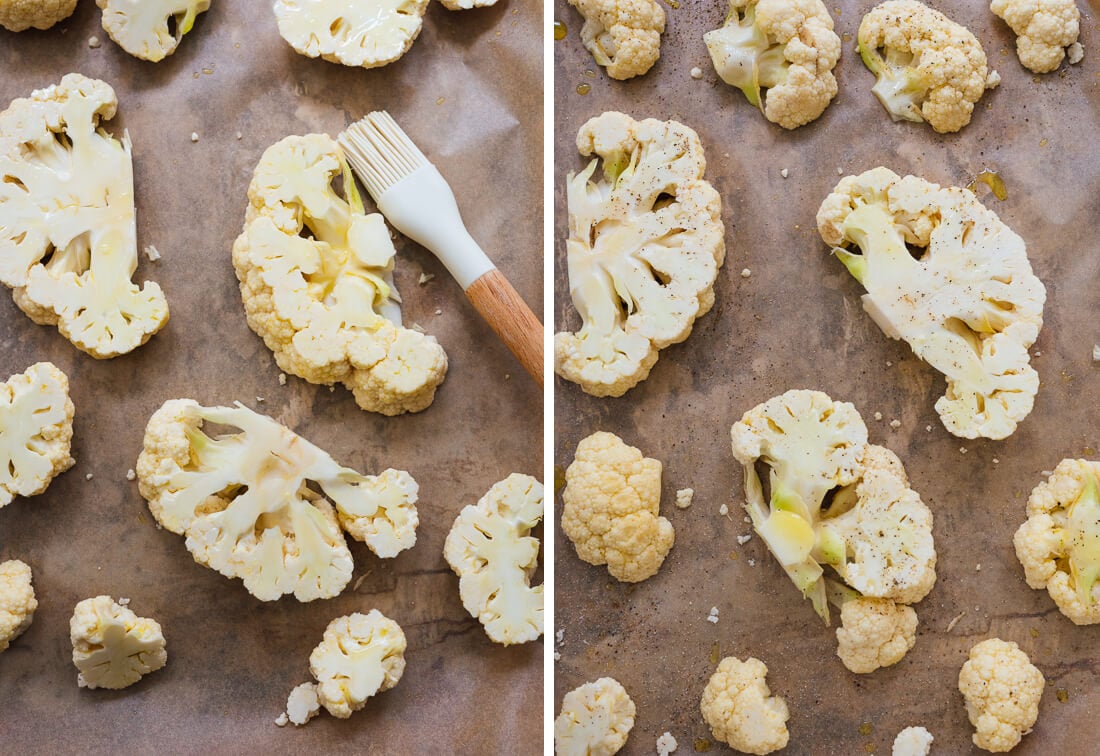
x: 469, y: 94
x: 796, y: 322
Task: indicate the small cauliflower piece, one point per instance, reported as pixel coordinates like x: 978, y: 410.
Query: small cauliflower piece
x: 491, y: 549
x: 740, y: 709
x: 113, y: 648
x: 150, y: 29
x: 1044, y: 30
x: 595, y: 719
x: 360, y: 656
x: 20, y: 15
x: 367, y: 33
x: 243, y: 500
x: 666, y: 744
x: 36, y: 430
x: 611, y: 511
x: 912, y: 741
x: 316, y: 278
x: 645, y: 245
x: 874, y: 633
x: 1002, y: 690
x: 969, y: 305
x: 302, y: 705
x: 929, y: 68
x: 781, y: 55
x: 624, y: 36
x: 466, y: 4
x: 17, y: 601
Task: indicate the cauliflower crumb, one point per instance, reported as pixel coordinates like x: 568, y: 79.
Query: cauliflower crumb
x: 425, y: 277
x: 1096, y: 353
x: 839, y: 171
x: 282, y: 720
x: 993, y: 80
x: 978, y: 567
x: 878, y: 416
x: 1075, y: 53
x: 962, y: 450
x: 724, y: 510
x: 955, y: 621
x: 131, y: 475
x: 745, y: 273
x: 124, y: 602
x: 666, y: 744
x: 239, y: 136
x: 752, y: 563
x: 559, y: 636
x: 743, y: 539
x: 684, y: 497
x: 697, y: 73
x: 996, y: 461
x: 259, y: 399
x: 557, y: 656
x: 93, y: 42
x: 89, y: 476
x: 282, y: 379
x: 928, y: 428
x: 152, y: 253
x: 784, y: 173
x: 895, y: 424
x: 194, y: 136
x: 713, y: 616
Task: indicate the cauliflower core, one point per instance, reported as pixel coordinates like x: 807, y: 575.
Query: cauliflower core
x: 645, y: 245
x: 150, y: 29
x: 611, y: 511
x: 968, y: 303
x: 68, y: 235
x: 624, y: 36
x: 1002, y: 690
x: 360, y: 655
x: 781, y: 55
x: 36, y: 428
x: 20, y: 15
x: 491, y: 550
x: 595, y: 720
x: 316, y: 278
x: 740, y: 709
x: 367, y: 33
x: 1043, y: 28
x: 874, y: 633
x: 249, y: 506
x: 113, y: 647
x: 17, y: 602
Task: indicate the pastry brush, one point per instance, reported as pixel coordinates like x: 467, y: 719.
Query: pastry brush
x: 417, y: 200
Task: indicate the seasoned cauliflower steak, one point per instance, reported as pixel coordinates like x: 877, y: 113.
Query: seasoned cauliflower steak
x: 20, y: 15
x: 781, y: 55
x: 150, y: 29
x: 624, y: 36
x: 68, y: 234
x: 113, y: 648
x: 1044, y: 30
x: 874, y: 633
x: 491, y: 549
x: 595, y: 720
x: 611, y: 508
x: 1002, y: 689
x: 741, y: 710
x: 645, y: 245
x: 359, y: 656
x: 36, y: 430
x: 929, y: 68
x: 247, y: 503
x: 17, y: 601
x: 316, y: 277
x: 367, y: 33
x: 966, y: 301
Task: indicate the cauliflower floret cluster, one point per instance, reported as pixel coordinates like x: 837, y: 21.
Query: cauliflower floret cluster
x: 969, y: 306
x: 244, y: 502
x: 624, y: 36
x: 781, y: 55
x: 113, y: 648
x: 367, y: 34
x: 67, y: 198
x: 20, y: 15
x: 644, y: 248
x: 150, y: 29
x: 1043, y: 28
x: 316, y: 276
x: 17, y: 601
x: 874, y: 633
x: 1002, y: 689
x: 741, y: 710
x: 36, y: 430
x: 912, y: 741
x: 611, y: 511
x: 595, y: 719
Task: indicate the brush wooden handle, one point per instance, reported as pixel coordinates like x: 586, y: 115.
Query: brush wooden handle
x: 506, y: 312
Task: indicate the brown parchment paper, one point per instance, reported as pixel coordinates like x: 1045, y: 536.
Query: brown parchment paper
x: 796, y: 322
x: 469, y: 93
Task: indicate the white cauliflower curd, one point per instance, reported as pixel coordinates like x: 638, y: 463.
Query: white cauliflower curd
x: 20, y: 15
x: 1002, y: 689
x: 150, y: 29
x: 367, y: 33
x: 1046, y: 30
x: 17, y: 601
x: 741, y: 710
x: 595, y: 719
x: 36, y: 430
x: 624, y: 36
x: 113, y: 647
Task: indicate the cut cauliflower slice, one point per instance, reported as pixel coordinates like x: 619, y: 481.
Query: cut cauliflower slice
x: 929, y: 68
x: 624, y: 36
x: 595, y: 719
x: 491, y: 549
x: 113, y: 648
x: 20, y: 15
x: 68, y: 236
x: 17, y: 601
x: 1002, y: 689
x: 741, y: 710
x: 912, y: 741
x: 781, y: 55
x: 360, y: 656
x: 466, y: 4
x: 36, y: 430
x: 874, y: 633
x: 244, y: 501
x: 611, y: 511
x: 644, y: 248
x: 150, y: 29
x: 316, y: 277
x: 1059, y: 543
x: 1043, y: 28
x: 368, y: 33
x: 969, y: 306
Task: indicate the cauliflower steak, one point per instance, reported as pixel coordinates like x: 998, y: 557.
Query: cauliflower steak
x: 150, y: 29
x: 36, y: 431
x: 367, y: 33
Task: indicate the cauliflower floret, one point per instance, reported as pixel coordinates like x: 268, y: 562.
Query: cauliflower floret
x: 369, y: 33
x: 934, y: 69
x: 741, y: 710
x: 786, y: 47
x: 113, y: 647
x: 970, y: 306
x: 624, y: 36
x: 611, y: 511
x: 1002, y: 690
x: 666, y: 744
x: 874, y: 633
x: 150, y: 29
x: 1059, y: 544
x: 1043, y: 28
x: 316, y: 277
x: 244, y: 503
x: 644, y: 248
x: 20, y: 15
x: 360, y: 655
x: 17, y: 601
x: 302, y: 704
x: 36, y: 429
x: 67, y: 196
x: 491, y: 550
x: 595, y: 720
x: 912, y: 741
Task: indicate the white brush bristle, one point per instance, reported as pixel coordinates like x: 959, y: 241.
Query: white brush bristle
x: 380, y: 152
